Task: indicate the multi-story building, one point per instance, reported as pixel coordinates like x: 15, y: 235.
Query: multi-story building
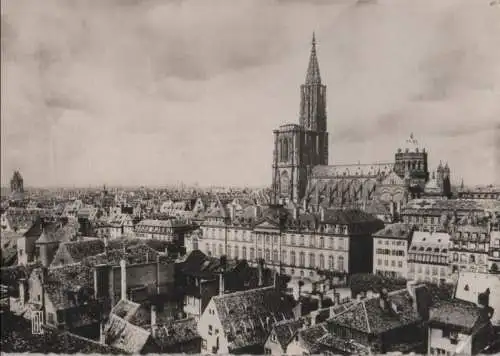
x: 458, y: 327
x: 17, y: 187
x: 469, y: 248
x: 172, y: 230
x: 440, y: 214
x: 428, y: 257
x: 488, y: 192
x: 299, y: 244
x: 390, y: 246
x: 494, y: 252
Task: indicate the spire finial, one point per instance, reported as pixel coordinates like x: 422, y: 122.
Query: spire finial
x: 313, y: 76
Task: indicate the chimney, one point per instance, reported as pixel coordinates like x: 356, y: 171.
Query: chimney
x: 222, y: 286
x: 391, y: 208
x: 221, y: 283
x: 102, y: 334
x: 123, y: 267
x: 153, y: 316
x: 22, y: 291
x: 298, y: 310
x: 322, y: 213
x: 483, y: 299
x: 410, y: 287
x: 276, y: 281
x: 384, y: 303
x: 232, y: 211
x: 106, y: 245
x: 295, y: 212
x: 320, y: 301
x: 260, y: 268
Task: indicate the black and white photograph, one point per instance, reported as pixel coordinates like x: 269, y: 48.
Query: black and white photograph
x: 252, y: 177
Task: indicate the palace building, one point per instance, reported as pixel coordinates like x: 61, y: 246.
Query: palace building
x: 301, y: 174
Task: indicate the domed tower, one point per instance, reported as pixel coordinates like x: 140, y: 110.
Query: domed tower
x: 412, y: 160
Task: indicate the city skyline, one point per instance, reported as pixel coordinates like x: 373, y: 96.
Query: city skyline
x: 81, y: 108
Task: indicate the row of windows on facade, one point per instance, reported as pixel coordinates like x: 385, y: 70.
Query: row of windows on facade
x: 393, y: 242
x: 464, y: 258
x: 412, y: 267
x: 275, y: 256
x: 417, y: 219
x: 152, y: 229
x: 471, y: 246
x: 471, y: 235
x: 443, y: 259
x: 323, y: 228
x: 389, y: 252
x: 386, y: 263
x: 294, y: 240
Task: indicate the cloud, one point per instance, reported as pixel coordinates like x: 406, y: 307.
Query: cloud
x: 152, y: 92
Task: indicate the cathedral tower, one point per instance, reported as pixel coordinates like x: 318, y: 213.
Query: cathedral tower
x: 298, y: 148
x: 313, y: 110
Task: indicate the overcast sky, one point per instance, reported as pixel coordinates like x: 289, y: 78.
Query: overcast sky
x: 157, y: 92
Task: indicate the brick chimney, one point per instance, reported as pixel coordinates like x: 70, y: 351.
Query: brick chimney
x: 260, y: 268
x: 153, y: 316
x: 102, y: 334
x: 384, y: 299
x: 222, y: 286
x: 123, y: 268
x: 22, y: 291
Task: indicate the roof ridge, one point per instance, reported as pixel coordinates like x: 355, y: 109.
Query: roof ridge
x: 366, y: 316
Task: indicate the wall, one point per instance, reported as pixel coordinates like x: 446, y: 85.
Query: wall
x: 272, y: 344
x: 210, y: 317
x: 436, y: 340
x: 144, y: 275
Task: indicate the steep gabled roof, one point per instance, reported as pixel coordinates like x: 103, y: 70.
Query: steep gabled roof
x: 247, y: 317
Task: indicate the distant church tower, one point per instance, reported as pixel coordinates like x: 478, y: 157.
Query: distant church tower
x: 298, y: 148
x: 17, y: 186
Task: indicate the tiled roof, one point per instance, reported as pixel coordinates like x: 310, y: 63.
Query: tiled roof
x: 352, y: 170
x: 331, y: 342
x: 424, y: 205
x: 430, y: 242
x: 125, y: 336
x: 132, y: 312
x: 286, y: 329
x: 369, y: 317
x: 247, y: 317
x: 18, y: 338
x: 395, y: 231
x: 310, y: 336
x: 84, y: 248
x: 134, y: 250
x: 67, y: 279
x: 456, y: 312
x: 176, y: 332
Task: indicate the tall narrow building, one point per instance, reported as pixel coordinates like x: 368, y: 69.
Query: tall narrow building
x: 298, y: 148
x: 313, y: 110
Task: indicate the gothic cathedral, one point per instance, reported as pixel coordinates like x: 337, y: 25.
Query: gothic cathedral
x: 301, y: 174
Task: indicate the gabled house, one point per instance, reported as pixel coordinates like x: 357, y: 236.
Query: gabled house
x: 458, y: 327
x: 281, y: 335
x: 136, y: 329
x: 198, y: 279
x: 471, y: 285
x: 75, y: 251
x: 391, y: 321
x: 240, y: 322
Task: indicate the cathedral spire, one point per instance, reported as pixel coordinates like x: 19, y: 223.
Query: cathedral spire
x: 313, y: 76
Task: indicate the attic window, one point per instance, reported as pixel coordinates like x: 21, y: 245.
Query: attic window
x: 466, y: 288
